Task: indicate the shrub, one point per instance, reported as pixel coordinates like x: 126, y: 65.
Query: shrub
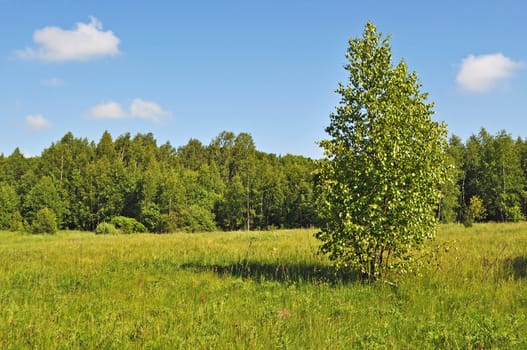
x: 18, y: 224
x: 8, y: 204
x: 151, y: 217
x: 190, y: 219
x: 514, y: 214
x: 105, y: 228
x: 474, y: 212
x: 45, y: 222
x: 128, y: 225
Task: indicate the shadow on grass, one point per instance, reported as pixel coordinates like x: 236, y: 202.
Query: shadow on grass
x: 286, y: 273
x: 517, y: 266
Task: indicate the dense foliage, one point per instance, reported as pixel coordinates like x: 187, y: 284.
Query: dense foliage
x: 490, y: 179
x: 227, y: 184
x: 385, y: 161
x: 45, y: 221
x: 205, y: 187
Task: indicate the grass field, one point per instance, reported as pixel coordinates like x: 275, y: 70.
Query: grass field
x: 257, y: 290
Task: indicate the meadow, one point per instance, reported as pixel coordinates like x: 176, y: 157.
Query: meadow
x: 258, y: 290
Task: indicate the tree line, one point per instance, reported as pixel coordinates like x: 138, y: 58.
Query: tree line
x: 489, y: 179
x: 227, y: 184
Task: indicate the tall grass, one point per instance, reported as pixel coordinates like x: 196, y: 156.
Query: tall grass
x: 257, y: 290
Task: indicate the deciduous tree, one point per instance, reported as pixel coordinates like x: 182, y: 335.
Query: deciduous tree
x: 378, y: 187
x: 8, y: 205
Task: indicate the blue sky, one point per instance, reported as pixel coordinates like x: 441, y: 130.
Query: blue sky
x: 191, y: 69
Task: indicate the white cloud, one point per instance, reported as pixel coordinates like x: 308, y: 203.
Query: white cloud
x: 52, y: 82
x: 37, y: 122
x: 139, y: 108
x: 147, y: 110
x: 109, y: 110
x: 86, y: 41
x: 482, y: 73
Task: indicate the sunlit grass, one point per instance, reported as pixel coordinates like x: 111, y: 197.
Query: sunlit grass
x: 257, y: 290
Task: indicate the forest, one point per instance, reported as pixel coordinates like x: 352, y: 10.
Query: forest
x: 227, y: 184
x: 489, y: 179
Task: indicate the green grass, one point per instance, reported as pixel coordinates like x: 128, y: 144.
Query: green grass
x: 257, y: 290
